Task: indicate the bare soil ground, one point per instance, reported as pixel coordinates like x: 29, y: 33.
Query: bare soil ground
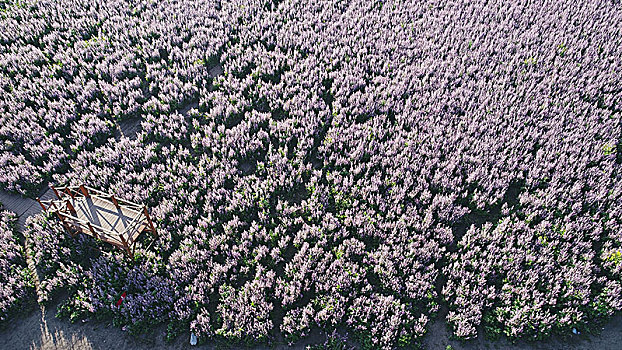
x: 41, y: 330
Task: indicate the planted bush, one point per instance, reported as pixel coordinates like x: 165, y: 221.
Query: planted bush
x: 16, y: 279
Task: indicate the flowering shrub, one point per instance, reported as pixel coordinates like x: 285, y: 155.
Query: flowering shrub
x: 70, y: 69
x: 147, y: 300
x: 354, y: 165
x: 381, y: 320
x: 55, y: 256
x: 16, y: 282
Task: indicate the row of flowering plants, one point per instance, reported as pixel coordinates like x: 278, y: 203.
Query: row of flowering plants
x: 16, y: 279
x: 355, y: 165
x: 70, y: 70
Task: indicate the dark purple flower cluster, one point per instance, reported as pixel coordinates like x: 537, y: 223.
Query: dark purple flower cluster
x: 148, y: 295
x: 354, y: 165
x: 16, y: 279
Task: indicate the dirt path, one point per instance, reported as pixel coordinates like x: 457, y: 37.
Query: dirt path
x: 130, y: 128
x: 23, y: 206
x: 41, y: 330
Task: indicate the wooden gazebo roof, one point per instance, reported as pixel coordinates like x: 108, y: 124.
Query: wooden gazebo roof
x: 101, y: 215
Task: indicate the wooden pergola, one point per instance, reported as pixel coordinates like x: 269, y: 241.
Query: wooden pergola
x: 101, y: 215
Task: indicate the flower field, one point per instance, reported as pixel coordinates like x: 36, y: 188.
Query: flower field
x: 356, y: 165
x: 16, y: 282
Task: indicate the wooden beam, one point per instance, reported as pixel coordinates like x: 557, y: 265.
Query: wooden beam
x: 125, y: 245
x: 69, y: 192
x: 107, y: 198
x: 153, y: 230
x: 68, y: 229
x: 84, y: 191
x: 41, y: 204
x: 84, y: 222
x: 92, y: 230
x: 114, y: 201
x: 96, y: 191
x: 71, y: 208
x: 62, y: 220
x: 106, y: 194
x: 131, y: 226
x: 55, y: 191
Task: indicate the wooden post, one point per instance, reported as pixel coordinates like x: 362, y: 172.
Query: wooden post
x: 114, y: 200
x: 69, y: 192
x: 84, y: 191
x: 55, y: 191
x: 41, y: 204
x: 62, y: 220
x: 153, y: 230
x: 127, y: 248
x: 92, y: 230
x: 71, y: 208
x: 67, y: 228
